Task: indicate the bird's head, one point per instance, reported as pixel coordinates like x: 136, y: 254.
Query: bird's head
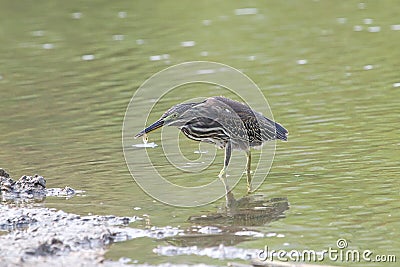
x: 172, y: 117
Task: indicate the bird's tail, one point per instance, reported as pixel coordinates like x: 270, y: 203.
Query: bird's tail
x: 281, y: 132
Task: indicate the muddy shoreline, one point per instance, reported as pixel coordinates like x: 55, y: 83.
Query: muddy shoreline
x: 39, y: 236
x: 43, y: 235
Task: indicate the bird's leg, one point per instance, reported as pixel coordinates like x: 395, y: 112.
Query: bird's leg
x: 248, y: 169
x: 222, y: 174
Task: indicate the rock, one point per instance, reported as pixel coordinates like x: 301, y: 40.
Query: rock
x: 30, y: 187
x: 25, y: 187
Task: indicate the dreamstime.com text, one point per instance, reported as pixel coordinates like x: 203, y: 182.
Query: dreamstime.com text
x: 338, y: 254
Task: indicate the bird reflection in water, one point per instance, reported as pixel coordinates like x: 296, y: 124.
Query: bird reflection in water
x: 223, y: 225
x: 250, y: 210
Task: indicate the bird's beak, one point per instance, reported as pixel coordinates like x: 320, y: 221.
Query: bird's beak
x: 151, y: 128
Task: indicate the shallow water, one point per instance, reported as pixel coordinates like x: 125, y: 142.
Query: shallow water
x: 69, y: 70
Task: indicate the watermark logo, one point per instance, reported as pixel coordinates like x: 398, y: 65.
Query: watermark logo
x: 341, y: 243
x: 340, y: 253
x: 165, y: 169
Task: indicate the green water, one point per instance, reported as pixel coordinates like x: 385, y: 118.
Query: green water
x: 61, y: 116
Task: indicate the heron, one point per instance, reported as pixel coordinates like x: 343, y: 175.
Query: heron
x: 226, y: 123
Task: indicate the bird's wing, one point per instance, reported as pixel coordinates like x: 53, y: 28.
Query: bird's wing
x: 236, y: 119
x: 223, y: 115
x: 259, y: 128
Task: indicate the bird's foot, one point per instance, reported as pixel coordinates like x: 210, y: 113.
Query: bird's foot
x: 222, y: 174
x: 250, y: 190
